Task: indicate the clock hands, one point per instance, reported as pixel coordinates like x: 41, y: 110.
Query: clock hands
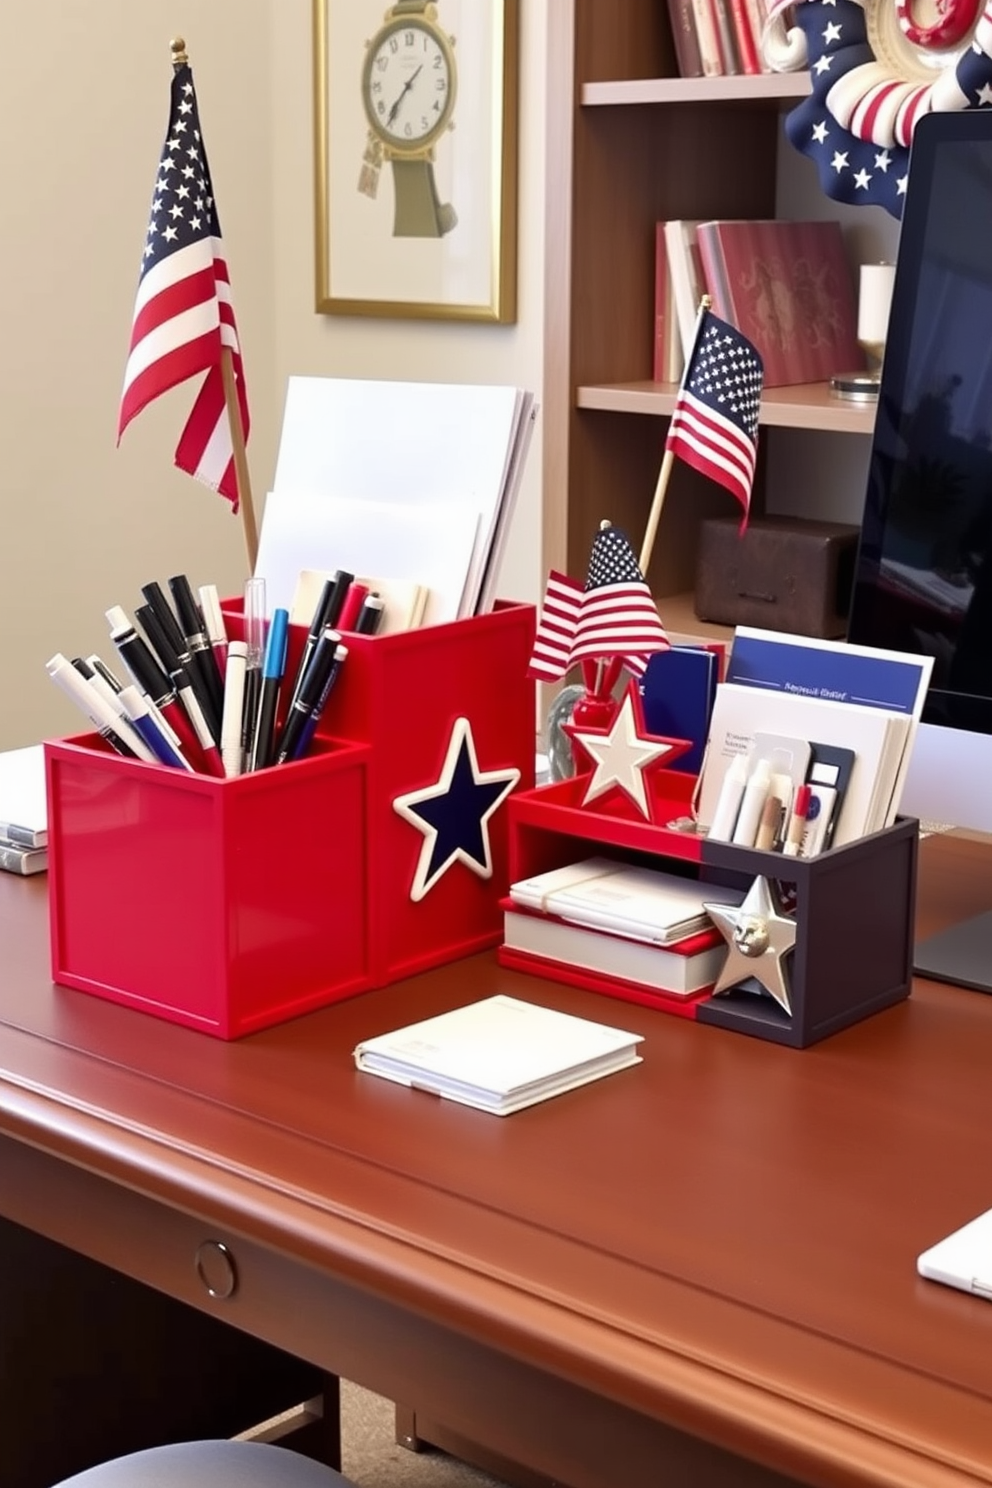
x: 406, y: 88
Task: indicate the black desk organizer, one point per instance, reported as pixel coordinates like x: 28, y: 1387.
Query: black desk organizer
x: 854, y: 906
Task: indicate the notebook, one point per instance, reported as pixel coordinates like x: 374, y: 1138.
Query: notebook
x: 23, y: 802
x: 636, y: 903
x: 499, y: 1055
x: 963, y: 1259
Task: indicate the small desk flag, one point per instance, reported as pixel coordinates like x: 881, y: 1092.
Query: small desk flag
x: 714, y: 427
x: 183, y: 313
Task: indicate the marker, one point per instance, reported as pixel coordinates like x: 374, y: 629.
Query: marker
x: 310, y: 727
x: 273, y: 667
x: 201, y: 665
x: 87, y: 700
x: 140, y: 715
x: 351, y: 609
x: 797, y: 822
x: 370, y: 615
x: 308, y: 696
x: 231, y: 752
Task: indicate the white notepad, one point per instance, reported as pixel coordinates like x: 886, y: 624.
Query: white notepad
x: 23, y: 802
x: 500, y: 1054
x: 963, y: 1259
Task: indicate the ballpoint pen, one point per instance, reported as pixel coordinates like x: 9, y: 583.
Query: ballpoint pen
x: 329, y: 602
x: 99, y: 712
x: 310, y: 726
x: 166, y: 637
x: 231, y: 751
x: 201, y: 664
x: 124, y: 728
x: 255, y: 624
x: 213, y: 624
x: 370, y: 615
x: 307, y: 696
x: 158, y: 686
x: 141, y: 716
x: 273, y: 667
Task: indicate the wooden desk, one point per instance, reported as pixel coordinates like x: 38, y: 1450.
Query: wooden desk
x: 701, y: 1270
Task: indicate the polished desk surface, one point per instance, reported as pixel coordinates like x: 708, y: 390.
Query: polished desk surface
x: 722, y: 1238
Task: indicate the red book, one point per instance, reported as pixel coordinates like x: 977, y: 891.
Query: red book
x: 747, y: 42
x: 790, y: 290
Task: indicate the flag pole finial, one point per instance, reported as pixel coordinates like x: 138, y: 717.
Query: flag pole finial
x: 604, y: 524
x: 178, y: 49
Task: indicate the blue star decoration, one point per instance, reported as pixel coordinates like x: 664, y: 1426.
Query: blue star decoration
x: 453, y: 814
x: 852, y: 169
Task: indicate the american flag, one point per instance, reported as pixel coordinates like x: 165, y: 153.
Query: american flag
x: 183, y: 314
x: 715, y: 424
x: 614, y: 615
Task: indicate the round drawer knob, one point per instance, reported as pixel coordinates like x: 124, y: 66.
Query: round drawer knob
x: 216, y: 1269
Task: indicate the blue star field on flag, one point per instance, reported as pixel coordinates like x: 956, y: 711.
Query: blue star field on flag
x: 453, y: 814
x: 854, y: 169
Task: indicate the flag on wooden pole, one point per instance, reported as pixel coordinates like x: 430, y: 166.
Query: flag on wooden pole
x: 183, y: 322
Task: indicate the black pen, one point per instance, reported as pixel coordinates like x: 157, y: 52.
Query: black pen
x: 273, y: 667
x: 370, y: 615
x: 254, y: 634
x: 307, y: 695
x: 201, y: 662
x: 165, y: 635
x: 310, y: 727
x: 329, y: 602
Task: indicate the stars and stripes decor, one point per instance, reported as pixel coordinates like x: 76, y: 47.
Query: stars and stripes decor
x: 183, y: 315
x: 613, y: 616
x: 714, y: 427
x: 857, y: 125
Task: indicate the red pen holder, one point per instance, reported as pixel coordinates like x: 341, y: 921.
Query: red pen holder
x: 228, y: 905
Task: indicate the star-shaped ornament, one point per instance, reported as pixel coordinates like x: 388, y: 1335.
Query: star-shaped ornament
x: 453, y: 814
x: 620, y: 754
x: 758, y: 937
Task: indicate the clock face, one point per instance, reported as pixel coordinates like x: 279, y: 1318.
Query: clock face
x: 408, y: 85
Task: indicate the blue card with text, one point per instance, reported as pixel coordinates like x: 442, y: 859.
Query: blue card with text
x: 677, y: 691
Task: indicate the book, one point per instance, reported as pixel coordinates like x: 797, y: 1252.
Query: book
x: 499, y: 1055
x: 405, y: 602
x: 633, y: 902
x: 688, y: 282
x: 726, y: 38
x: 23, y: 799
x: 704, y: 12
x: 788, y: 287
x: 681, y: 969
x: 668, y: 360
x: 747, y: 42
x: 16, y: 858
x: 687, y: 54
x: 677, y: 693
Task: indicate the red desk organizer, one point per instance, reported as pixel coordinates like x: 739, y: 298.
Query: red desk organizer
x: 228, y: 905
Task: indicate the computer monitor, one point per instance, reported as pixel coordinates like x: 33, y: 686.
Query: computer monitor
x: 923, y: 579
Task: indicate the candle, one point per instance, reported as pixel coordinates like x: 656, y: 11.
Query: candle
x: 874, y: 301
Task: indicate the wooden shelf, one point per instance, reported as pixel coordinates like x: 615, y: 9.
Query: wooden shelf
x: 775, y: 87
x: 807, y: 406
x: 678, y: 615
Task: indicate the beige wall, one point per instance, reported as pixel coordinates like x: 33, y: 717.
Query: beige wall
x: 83, y: 112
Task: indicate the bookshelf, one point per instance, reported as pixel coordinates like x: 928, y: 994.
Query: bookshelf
x: 630, y: 144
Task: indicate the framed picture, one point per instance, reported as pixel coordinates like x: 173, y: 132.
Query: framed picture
x: 415, y: 151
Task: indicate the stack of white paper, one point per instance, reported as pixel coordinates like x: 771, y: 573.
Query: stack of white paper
x: 499, y: 1055
x: 407, y: 481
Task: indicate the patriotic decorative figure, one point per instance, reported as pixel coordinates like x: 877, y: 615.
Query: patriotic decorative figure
x: 875, y: 69
x: 714, y: 427
x: 183, y: 322
x: 620, y: 756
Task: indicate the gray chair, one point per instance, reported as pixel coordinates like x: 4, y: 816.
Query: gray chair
x: 210, y: 1464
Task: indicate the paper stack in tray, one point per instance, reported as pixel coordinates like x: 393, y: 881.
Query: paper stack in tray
x: 614, y: 919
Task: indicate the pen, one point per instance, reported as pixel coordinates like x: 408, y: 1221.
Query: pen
x: 370, y: 615
x: 140, y: 715
x: 150, y: 678
x: 308, y: 695
x: 310, y: 727
x: 273, y: 666
x: 124, y: 728
x: 329, y: 600
x: 768, y: 827
x: 207, y: 753
x: 163, y: 631
x: 231, y: 752
x: 254, y: 622
x: 797, y: 822
x: 97, y: 710
x: 353, y: 601
x: 201, y: 664
x: 213, y: 624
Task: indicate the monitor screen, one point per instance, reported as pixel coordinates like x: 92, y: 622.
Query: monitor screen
x: 924, y: 573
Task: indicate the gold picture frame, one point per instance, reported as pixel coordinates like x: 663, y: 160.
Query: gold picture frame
x: 415, y: 157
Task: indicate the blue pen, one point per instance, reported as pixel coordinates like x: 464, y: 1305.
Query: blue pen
x: 310, y: 727
x: 140, y: 714
x: 273, y: 667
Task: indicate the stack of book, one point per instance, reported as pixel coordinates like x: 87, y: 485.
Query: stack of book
x: 718, y: 38
x: 23, y: 811
x: 603, y: 923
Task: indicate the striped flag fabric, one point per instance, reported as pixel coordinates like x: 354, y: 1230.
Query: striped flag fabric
x: 552, y: 654
x: 613, y: 615
x: 618, y: 615
x: 183, y: 315
x: 714, y: 427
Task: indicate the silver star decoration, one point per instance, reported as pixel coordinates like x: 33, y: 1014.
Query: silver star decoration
x: 620, y: 757
x: 758, y: 938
